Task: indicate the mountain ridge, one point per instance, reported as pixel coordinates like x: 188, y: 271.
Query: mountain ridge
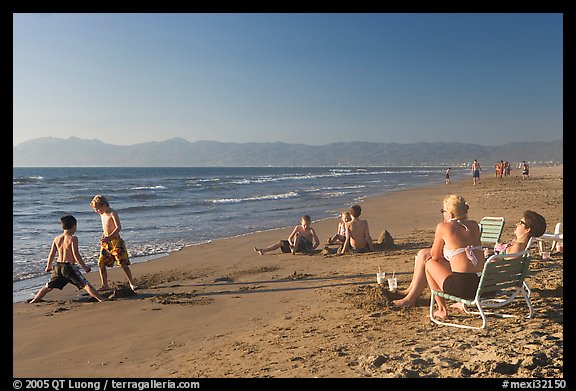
x: 178, y: 152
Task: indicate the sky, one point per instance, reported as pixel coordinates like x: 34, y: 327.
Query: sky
x: 303, y: 78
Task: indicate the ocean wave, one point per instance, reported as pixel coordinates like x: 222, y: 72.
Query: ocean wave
x: 27, y: 180
x: 268, y: 197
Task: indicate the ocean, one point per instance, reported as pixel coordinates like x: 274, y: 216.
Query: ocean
x: 164, y: 209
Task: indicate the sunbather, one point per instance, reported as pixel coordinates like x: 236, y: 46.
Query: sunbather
x: 532, y: 224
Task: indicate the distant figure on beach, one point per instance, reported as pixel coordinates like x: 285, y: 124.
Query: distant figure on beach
x: 456, y: 256
x: 358, y: 237
x: 532, y: 224
x: 525, y: 170
x: 340, y: 236
x: 448, y: 175
x: 65, y: 270
x: 476, y: 172
x: 302, y: 239
x: 112, y: 246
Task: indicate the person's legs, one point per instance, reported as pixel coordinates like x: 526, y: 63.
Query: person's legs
x: 128, y: 273
x: 272, y: 247
x: 418, y: 282
x: 297, y: 243
x: 94, y: 293
x: 41, y: 293
x: 436, y: 273
x: 103, y: 277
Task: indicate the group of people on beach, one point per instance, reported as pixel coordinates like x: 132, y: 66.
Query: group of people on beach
x: 501, y: 168
x: 451, y: 265
x: 353, y: 234
x: 112, y: 251
x: 456, y: 257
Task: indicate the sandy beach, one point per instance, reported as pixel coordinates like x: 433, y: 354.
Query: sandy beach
x: 220, y: 310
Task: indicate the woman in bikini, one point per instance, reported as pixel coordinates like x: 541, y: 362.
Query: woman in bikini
x: 532, y: 224
x: 456, y: 254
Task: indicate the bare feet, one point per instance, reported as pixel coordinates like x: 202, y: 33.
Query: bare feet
x: 458, y: 306
x: 441, y: 314
x: 404, y: 292
x: 103, y: 288
x: 403, y: 303
x: 258, y: 251
x: 134, y: 287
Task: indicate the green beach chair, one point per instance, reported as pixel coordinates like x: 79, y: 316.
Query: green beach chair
x: 491, y: 230
x: 501, y: 282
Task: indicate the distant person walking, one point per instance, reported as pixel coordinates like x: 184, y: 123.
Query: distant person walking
x: 448, y: 175
x: 476, y: 172
x: 525, y: 170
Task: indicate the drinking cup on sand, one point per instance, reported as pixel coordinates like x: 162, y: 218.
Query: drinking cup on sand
x: 380, y: 277
x: 392, y: 284
x: 545, y: 255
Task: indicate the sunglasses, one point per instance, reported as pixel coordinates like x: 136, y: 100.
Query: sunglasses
x: 524, y: 223
x: 443, y: 210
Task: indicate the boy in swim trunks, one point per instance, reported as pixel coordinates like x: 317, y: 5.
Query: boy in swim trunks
x: 65, y: 270
x: 112, y: 246
x: 302, y: 239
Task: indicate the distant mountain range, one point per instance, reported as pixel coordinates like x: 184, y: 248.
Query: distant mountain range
x: 178, y: 152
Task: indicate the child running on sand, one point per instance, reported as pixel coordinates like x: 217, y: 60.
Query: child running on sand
x: 302, y: 239
x: 113, y: 248
x: 65, y: 270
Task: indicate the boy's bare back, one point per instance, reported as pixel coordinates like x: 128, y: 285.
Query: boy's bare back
x: 65, y: 245
x: 358, y: 231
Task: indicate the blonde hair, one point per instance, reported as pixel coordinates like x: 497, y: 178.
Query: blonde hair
x: 456, y: 205
x: 99, y: 200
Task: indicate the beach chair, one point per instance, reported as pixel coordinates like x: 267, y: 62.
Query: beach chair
x: 502, y: 280
x: 491, y: 230
x: 557, y: 236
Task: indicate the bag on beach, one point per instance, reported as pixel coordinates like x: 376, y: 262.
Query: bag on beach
x: 385, y: 240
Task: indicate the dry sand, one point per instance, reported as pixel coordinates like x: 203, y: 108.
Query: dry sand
x: 219, y: 310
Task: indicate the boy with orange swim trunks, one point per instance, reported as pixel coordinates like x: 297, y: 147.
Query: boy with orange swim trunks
x: 113, y: 249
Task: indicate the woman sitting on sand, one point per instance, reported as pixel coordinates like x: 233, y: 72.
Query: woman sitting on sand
x: 456, y: 256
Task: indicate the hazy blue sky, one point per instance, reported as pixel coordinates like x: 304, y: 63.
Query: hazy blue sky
x: 485, y: 78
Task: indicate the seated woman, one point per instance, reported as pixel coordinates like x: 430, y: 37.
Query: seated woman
x: 465, y: 258
x: 531, y: 224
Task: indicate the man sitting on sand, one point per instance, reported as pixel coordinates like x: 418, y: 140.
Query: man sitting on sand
x: 357, y: 233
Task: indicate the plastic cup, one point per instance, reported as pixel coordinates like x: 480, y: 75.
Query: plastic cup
x: 380, y: 277
x: 545, y: 255
x: 392, y: 284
